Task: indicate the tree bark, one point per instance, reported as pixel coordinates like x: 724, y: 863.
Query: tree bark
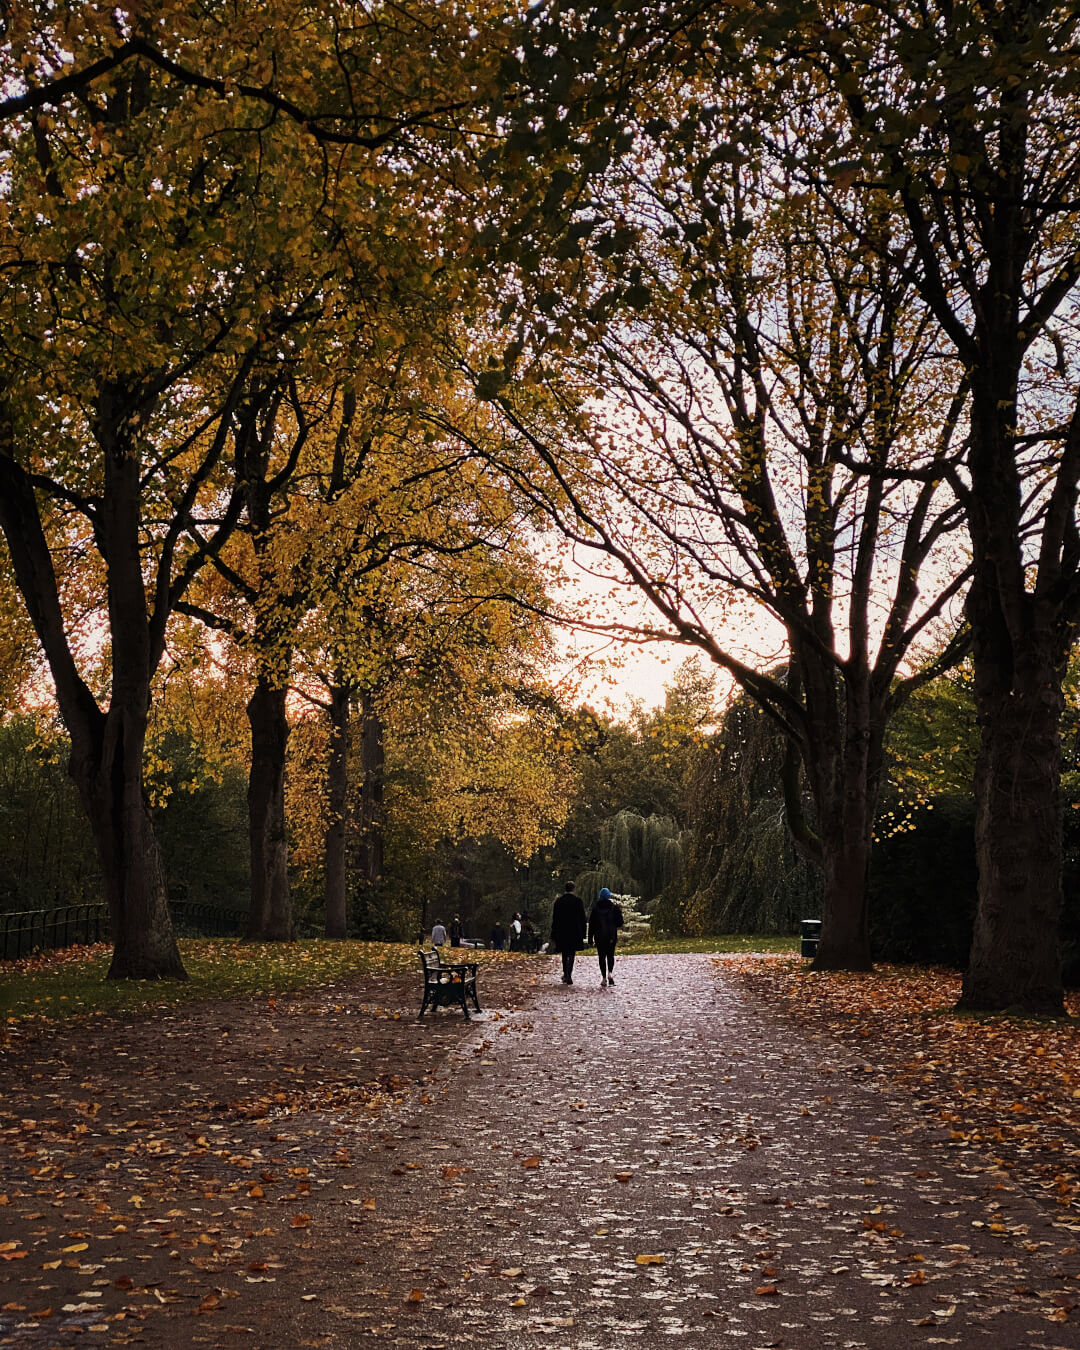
x: 107, y: 747
x: 337, y: 775
x: 1015, y: 953
x: 1021, y: 639
x: 845, y: 930
x: 1015, y: 960
x: 846, y: 754
x: 270, y: 919
x: 108, y: 773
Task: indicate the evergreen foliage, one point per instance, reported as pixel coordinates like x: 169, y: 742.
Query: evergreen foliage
x: 47, y: 855
x: 742, y: 873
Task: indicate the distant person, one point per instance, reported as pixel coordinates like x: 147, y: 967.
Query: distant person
x: 605, y: 920
x: 438, y: 934
x: 515, y: 933
x: 498, y: 937
x: 568, y: 926
x: 456, y: 931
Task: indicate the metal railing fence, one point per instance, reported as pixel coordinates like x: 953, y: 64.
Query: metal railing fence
x: 28, y: 931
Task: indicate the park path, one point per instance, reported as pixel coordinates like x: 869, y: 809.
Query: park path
x: 784, y: 1198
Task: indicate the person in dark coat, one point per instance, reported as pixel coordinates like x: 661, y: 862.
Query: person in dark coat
x: 568, y: 926
x: 456, y: 931
x: 605, y: 920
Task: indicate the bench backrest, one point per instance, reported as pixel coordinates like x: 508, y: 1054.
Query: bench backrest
x: 430, y: 960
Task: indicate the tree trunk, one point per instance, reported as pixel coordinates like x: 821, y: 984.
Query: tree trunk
x: 108, y: 774
x: 337, y: 775
x: 372, y: 822
x: 845, y: 929
x: 1015, y: 958
x: 1021, y: 637
x: 270, y: 919
x: 107, y: 748
x: 846, y: 751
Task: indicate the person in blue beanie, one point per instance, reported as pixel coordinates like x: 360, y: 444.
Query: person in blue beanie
x: 605, y: 920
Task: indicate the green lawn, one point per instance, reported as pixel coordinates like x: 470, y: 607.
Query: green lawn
x: 72, y: 982
x: 726, y: 942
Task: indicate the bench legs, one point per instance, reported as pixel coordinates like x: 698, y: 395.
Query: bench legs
x: 447, y: 994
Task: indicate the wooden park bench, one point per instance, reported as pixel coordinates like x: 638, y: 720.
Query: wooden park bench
x: 448, y: 984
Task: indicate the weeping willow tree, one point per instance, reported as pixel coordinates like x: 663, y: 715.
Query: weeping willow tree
x: 639, y: 856
x: 742, y: 872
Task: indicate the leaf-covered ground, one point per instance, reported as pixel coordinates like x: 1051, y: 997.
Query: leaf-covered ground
x: 162, y: 1165
x: 1008, y: 1087
x: 710, y: 1153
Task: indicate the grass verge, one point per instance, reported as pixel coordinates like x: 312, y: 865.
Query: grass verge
x: 724, y: 942
x: 71, y: 982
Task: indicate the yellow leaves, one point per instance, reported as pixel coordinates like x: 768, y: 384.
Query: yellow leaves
x: 532, y: 1161
x: 646, y: 1259
x: 76, y: 1247
x: 415, y: 1296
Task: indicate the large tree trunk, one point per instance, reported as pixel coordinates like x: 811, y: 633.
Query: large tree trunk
x: 1015, y: 957
x: 845, y: 929
x: 107, y: 770
x: 1021, y: 638
x: 846, y: 754
x: 270, y: 919
x: 337, y: 776
x: 107, y: 748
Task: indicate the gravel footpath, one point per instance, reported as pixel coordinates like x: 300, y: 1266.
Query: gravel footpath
x: 665, y: 1160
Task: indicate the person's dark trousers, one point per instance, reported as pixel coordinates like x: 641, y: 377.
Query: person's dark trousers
x: 605, y: 952
x: 568, y: 955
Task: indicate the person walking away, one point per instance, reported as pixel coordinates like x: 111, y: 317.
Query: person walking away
x: 457, y: 932
x: 568, y: 925
x: 438, y: 934
x: 605, y: 920
x: 498, y: 936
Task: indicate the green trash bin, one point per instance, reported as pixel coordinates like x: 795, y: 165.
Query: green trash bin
x: 811, y: 934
